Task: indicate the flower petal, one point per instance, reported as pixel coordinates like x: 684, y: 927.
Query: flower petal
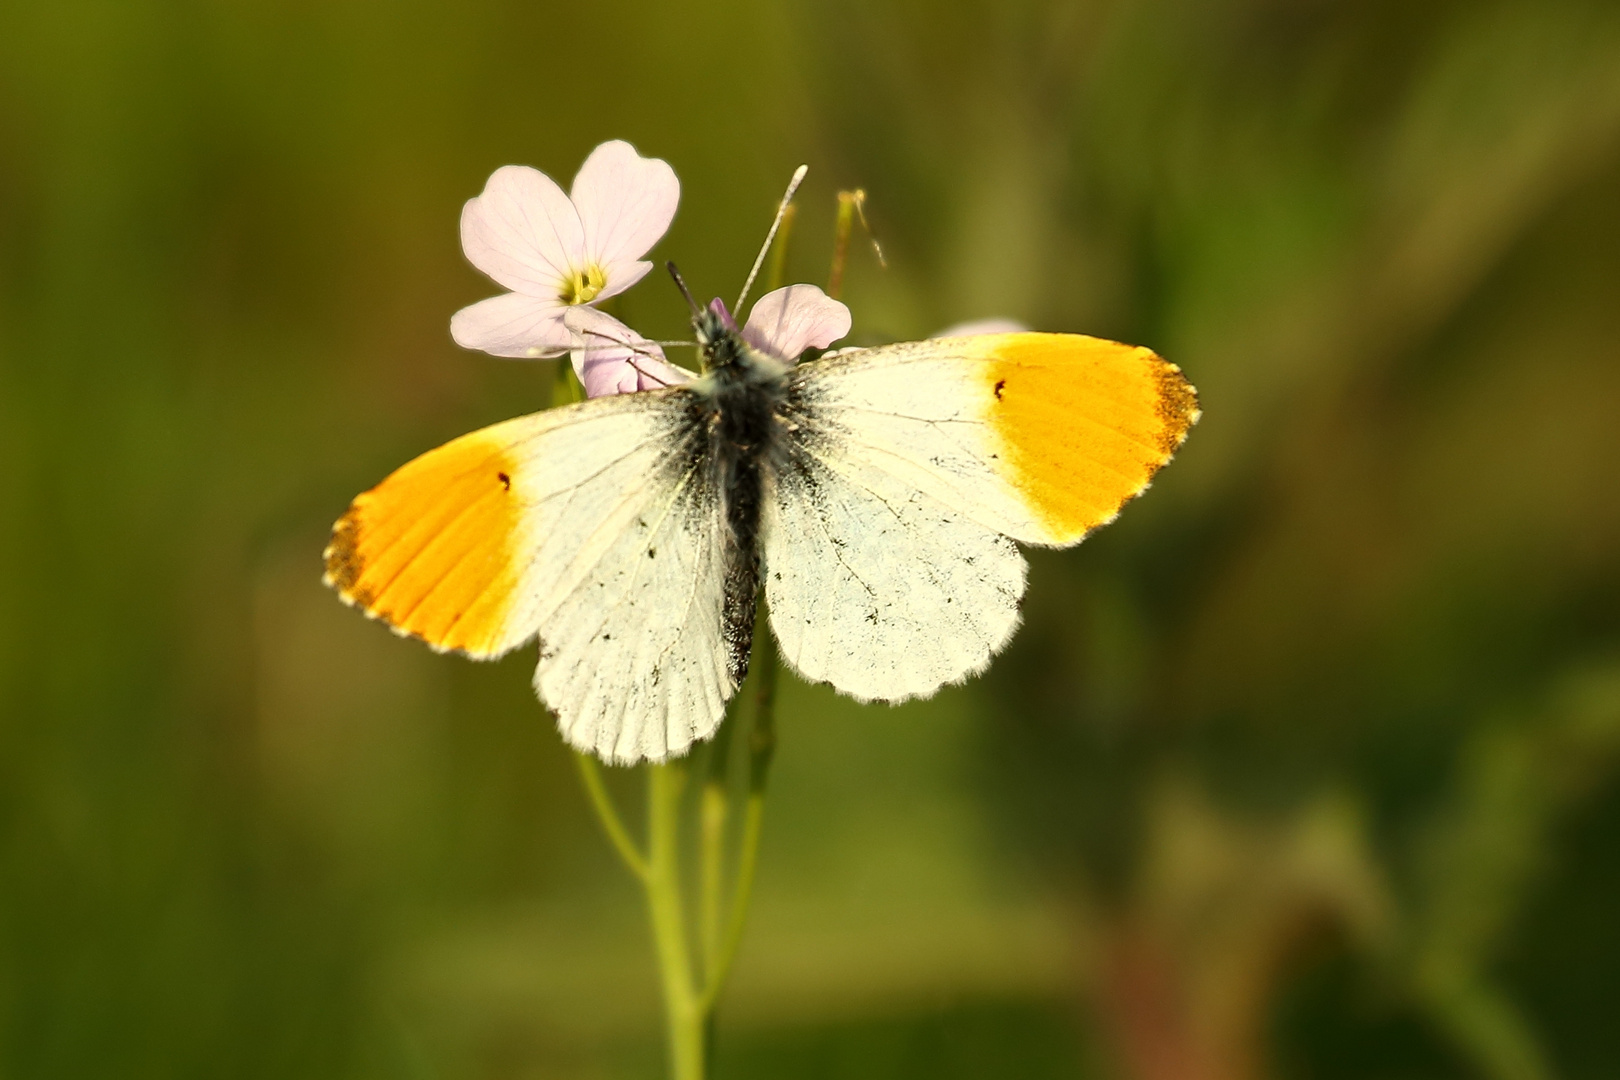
x: 512, y: 324
x: 611, y: 358
x: 523, y: 232
x: 790, y: 320
x: 625, y: 202
x: 975, y: 327
x: 620, y: 276
x: 718, y: 306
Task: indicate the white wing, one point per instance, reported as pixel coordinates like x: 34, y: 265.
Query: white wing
x: 595, y: 526
x: 878, y: 588
x: 632, y: 653
x: 908, y: 471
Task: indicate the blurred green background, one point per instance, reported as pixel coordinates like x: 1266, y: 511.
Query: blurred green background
x: 1306, y: 768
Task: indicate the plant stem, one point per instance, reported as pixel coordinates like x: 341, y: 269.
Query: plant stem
x: 569, y: 390
x: 761, y: 751
x: 590, y: 775
x: 762, y: 738
x: 713, y: 809
x: 688, y: 1004
x: 851, y: 206
x: 683, y: 1013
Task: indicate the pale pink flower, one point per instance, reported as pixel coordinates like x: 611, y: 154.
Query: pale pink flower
x: 975, y: 327
x: 557, y: 251
x: 787, y: 321
x: 611, y: 358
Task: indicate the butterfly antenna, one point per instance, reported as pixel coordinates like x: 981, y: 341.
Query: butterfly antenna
x: 680, y: 283
x: 781, y: 210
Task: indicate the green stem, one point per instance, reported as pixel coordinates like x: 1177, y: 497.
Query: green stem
x: 761, y: 751
x: 590, y: 775
x: 569, y: 390
x: 713, y: 811
x: 742, y: 893
x: 851, y: 208
x: 841, y: 230
x: 683, y: 1012
x: 762, y: 738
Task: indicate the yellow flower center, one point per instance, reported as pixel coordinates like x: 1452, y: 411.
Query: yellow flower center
x: 582, y: 286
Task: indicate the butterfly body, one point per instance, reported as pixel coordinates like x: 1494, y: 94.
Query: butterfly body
x: 878, y: 495
x: 738, y: 403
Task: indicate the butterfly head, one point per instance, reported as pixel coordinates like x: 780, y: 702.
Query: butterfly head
x: 722, y: 345
x: 718, y: 337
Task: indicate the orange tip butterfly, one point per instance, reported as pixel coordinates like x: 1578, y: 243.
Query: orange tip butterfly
x: 878, y: 496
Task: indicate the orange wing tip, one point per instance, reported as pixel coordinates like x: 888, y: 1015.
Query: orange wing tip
x: 405, y: 557
x: 344, y: 569
x: 1178, y: 410
x: 1085, y: 424
x: 1178, y: 406
x: 344, y: 566
x: 361, y: 602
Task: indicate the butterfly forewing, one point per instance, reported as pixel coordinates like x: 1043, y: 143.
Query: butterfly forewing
x: 597, y: 527
x: 906, y: 472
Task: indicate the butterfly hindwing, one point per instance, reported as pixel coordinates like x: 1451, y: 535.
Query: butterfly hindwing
x: 597, y: 527
x: 634, y: 658
x: 876, y: 586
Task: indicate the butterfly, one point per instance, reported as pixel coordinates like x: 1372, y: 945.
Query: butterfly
x: 877, y: 496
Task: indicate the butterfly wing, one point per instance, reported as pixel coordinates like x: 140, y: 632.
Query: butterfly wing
x: 909, y: 470
x: 879, y: 587
x: 596, y: 526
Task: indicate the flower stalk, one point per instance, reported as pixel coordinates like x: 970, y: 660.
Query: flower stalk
x: 851, y: 206
x: 590, y: 774
x: 692, y: 980
x: 685, y: 1016
x: 761, y: 751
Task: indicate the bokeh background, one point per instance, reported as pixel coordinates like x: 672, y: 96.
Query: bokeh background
x: 1306, y: 768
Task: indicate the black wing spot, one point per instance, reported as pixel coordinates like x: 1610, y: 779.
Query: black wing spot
x: 506, y: 481
x: 1000, y: 384
x: 652, y: 553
